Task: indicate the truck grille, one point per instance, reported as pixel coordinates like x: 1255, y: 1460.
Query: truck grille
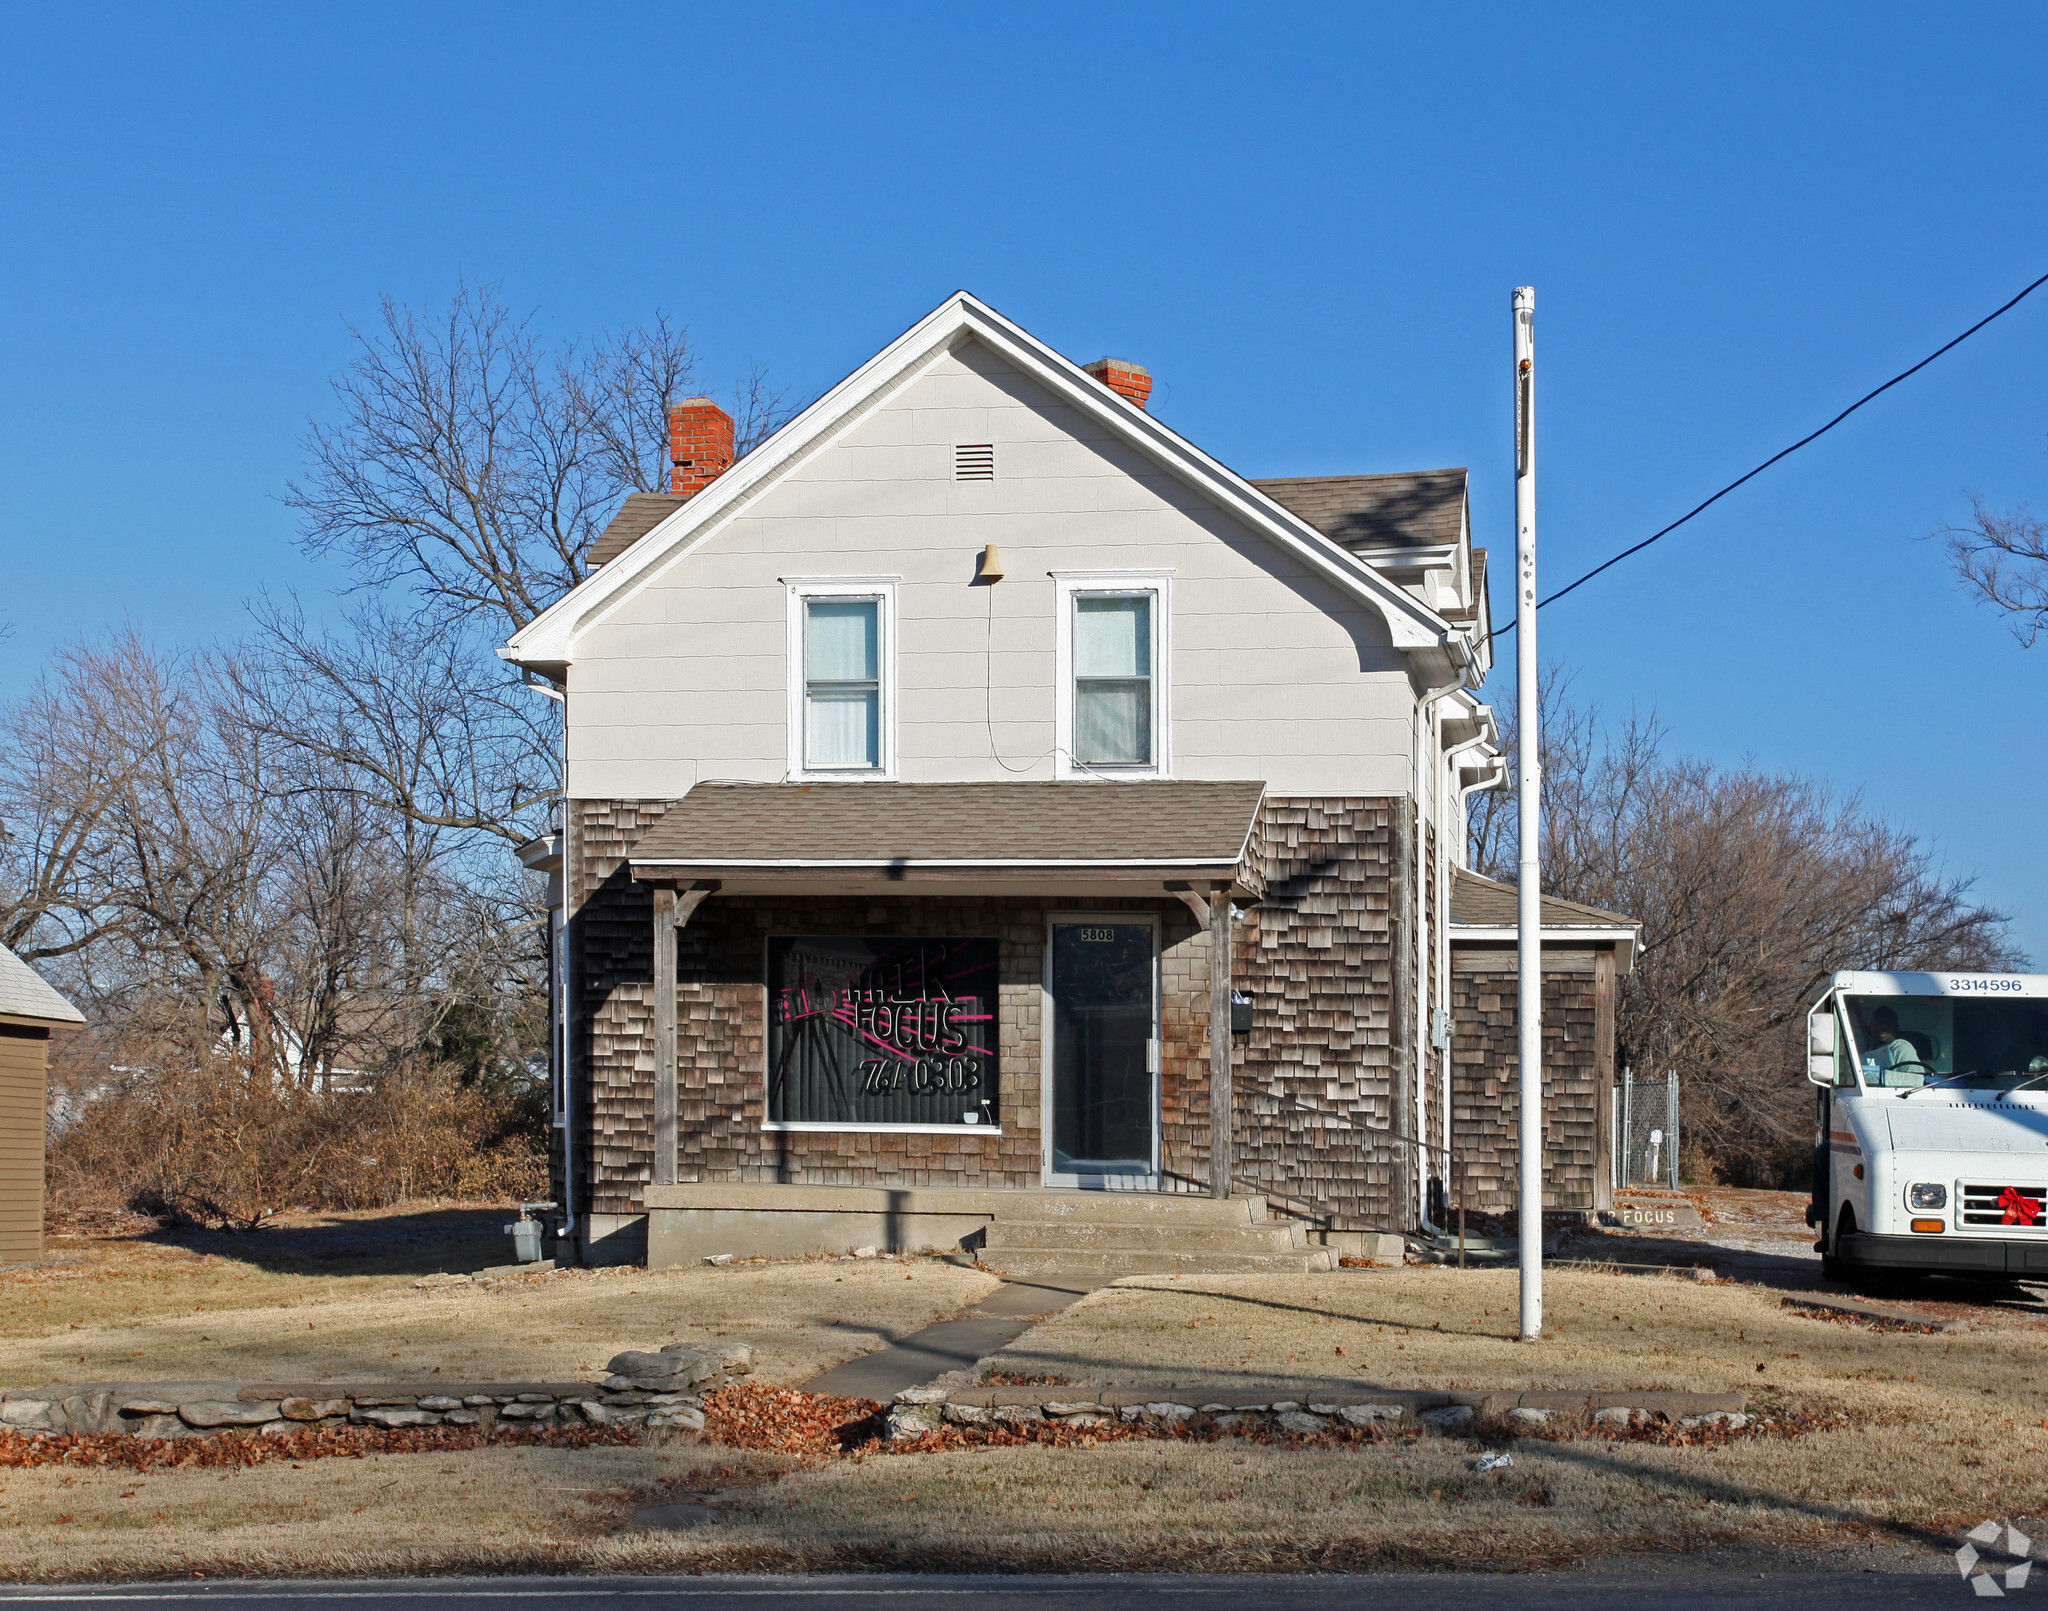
x: 1990, y: 1205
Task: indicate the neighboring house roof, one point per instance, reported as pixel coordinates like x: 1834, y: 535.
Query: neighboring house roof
x: 1485, y: 909
x: 548, y: 642
x: 896, y: 830
x: 1413, y: 509
x: 24, y: 994
x: 637, y: 516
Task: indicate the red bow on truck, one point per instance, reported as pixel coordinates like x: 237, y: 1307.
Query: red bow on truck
x: 2020, y: 1209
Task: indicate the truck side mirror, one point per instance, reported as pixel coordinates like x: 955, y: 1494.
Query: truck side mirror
x: 1820, y: 1046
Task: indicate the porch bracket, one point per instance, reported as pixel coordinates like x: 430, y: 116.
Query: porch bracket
x: 673, y: 909
x: 1192, y: 899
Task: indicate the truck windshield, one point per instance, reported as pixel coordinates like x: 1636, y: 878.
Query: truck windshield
x: 1911, y: 1041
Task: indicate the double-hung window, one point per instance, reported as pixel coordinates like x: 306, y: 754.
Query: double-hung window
x: 840, y: 716
x: 1112, y: 671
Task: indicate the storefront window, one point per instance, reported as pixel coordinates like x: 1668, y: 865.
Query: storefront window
x: 881, y: 1033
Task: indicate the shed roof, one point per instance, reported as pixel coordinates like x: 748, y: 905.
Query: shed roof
x: 1415, y: 508
x: 637, y: 516
x: 1159, y: 830
x: 24, y: 994
x: 1484, y: 909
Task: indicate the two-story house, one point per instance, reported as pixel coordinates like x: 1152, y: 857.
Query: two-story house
x: 986, y: 814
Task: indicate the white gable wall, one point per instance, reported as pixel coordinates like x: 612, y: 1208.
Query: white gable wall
x: 1274, y: 673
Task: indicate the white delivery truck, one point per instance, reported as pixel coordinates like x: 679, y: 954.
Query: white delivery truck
x: 1932, y: 1150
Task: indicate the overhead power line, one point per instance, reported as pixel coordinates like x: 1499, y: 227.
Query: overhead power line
x: 1903, y: 374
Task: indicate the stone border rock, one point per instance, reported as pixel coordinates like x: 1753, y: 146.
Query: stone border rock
x: 193, y: 1409
x: 1843, y: 1309
x: 661, y: 1389
x: 920, y: 1410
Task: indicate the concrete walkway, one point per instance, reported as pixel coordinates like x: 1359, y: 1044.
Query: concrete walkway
x: 995, y: 1322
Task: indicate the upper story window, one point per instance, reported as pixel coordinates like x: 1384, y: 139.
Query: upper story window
x: 843, y: 683
x: 1113, y: 679
x: 1112, y: 674
x: 841, y: 680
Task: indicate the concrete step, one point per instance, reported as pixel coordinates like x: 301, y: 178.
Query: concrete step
x: 1130, y: 1208
x: 1052, y: 1235
x: 1114, y: 1262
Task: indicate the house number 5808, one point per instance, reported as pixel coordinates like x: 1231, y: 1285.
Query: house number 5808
x: 1098, y: 934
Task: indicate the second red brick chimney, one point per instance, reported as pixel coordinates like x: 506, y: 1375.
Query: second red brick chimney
x: 1123, y: 377
x: 700, y: 444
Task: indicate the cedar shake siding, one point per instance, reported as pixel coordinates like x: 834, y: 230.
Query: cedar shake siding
x: 1311, y: 1076
x: 1578, y: 1077
x: 1319, y: 1082
x: 1324, y: 1064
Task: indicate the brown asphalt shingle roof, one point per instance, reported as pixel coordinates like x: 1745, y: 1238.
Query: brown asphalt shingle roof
x: 23, y: 994
x: 972, y: 823
x: 1487, y: 903
x: 637, y: 516
x: 1416, y: 507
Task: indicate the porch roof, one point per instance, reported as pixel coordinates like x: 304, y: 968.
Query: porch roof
x: 952, y: 832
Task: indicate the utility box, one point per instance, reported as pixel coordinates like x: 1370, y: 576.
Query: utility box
x: 526, y: 1233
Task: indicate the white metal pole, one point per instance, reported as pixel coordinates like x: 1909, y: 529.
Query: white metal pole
x: 1528, y: 914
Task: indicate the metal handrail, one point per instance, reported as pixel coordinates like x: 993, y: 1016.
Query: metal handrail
x: 1393, y: 1136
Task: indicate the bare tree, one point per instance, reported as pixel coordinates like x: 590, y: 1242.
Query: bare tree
x: 474, y: 466
x: 59, y: 781
x: 418, y: 717
x: 1751, y: 888
x: 2002, y: 559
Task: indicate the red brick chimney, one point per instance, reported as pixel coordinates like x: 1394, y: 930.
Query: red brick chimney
x: 699, y: 444
x: 1123, y: 377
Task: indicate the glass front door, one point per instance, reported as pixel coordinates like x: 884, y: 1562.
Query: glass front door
x: 1105, y: 1054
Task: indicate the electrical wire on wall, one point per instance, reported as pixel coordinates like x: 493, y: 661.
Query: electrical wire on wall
x: 988, y: 700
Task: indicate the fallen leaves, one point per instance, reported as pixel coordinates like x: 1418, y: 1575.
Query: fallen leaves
x: 19, y: 1451
x: 746, y: 1416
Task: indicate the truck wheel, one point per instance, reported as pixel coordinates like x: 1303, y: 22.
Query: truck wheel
x: 1831, y: 1266
x: 1860, y: 1277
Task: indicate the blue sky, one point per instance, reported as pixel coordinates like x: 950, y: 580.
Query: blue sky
x: 1306, y: 220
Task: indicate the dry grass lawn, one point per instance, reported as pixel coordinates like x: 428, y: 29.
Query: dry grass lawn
x: 1950, y: 1433
x: 129, y: 1310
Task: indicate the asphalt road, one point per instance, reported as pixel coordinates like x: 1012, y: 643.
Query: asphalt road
x: 1564, y: 1591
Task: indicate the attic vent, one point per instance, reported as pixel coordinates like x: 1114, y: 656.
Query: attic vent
x: 974, y: 461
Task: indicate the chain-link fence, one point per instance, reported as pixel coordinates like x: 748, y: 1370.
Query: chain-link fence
x: 1646, y: 1131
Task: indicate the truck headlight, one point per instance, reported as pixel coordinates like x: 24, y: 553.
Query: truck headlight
x: 1925, y: 1194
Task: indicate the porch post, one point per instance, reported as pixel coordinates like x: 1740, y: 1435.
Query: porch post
x: 664, y: 1035
x: 1219, y: 1041
x: 672, y: 913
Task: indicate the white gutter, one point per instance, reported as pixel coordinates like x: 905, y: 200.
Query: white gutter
x: 912, y: 863
x: 561, y: 958
x: 1424, y: 731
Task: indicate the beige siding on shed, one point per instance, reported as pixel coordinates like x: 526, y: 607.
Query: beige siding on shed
x: 1274, y: 673
x: 24, y: 1098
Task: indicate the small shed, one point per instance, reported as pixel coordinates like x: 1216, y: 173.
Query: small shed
x: 1586, y: 953
x: 29, y: 1011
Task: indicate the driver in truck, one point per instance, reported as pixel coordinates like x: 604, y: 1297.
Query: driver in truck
x: 1894, y: 1052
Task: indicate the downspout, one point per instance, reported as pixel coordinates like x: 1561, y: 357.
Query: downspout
x: 564, y: 968
x: 1423, y: 728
